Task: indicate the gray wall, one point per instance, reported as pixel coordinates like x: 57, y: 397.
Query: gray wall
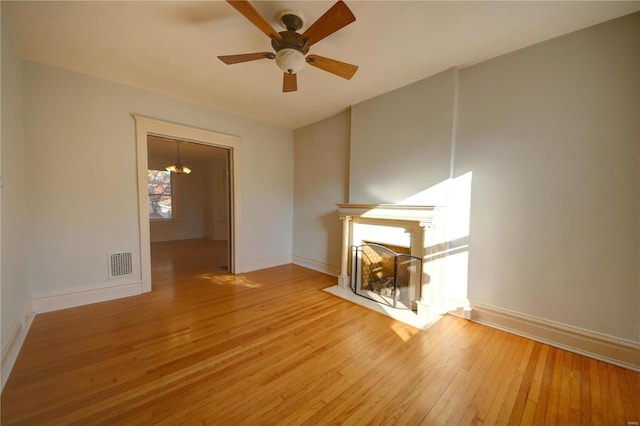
x: 14, y: 293
x: 551, y: 135
x: 549, y: 140
x: 401, y: 141
x: 321, y: 181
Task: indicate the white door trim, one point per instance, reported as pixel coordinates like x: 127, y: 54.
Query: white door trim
x: 146, y: 126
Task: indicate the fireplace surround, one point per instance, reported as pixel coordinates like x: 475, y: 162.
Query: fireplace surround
x: 412, y: 227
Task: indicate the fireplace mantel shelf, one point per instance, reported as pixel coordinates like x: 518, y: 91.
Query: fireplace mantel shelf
x: 388, y: 211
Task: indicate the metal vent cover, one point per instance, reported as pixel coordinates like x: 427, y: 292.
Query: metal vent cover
x: 120, y: 264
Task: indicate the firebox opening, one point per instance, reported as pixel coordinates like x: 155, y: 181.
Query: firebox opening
x: 384, y: 273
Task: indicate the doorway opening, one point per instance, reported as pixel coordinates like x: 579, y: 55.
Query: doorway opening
x: 196, y: 213
x: 188, y: 211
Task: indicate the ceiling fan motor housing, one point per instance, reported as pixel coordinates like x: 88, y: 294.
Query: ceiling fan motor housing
x: 290, y: 39
x: 291, y: 20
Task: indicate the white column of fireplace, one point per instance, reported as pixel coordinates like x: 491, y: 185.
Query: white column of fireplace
x: 343, y: 278
x: 417, y: 222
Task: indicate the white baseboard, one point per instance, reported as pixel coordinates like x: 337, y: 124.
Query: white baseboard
x: 69, y: 298
x: 14, y: 342
x: 265, y: 263
x: 613, y: 350
x: 316, y: 265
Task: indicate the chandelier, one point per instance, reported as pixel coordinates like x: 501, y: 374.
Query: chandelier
x: 178, y: 168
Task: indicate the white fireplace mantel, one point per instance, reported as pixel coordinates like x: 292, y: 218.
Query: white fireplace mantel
x: 421, y: 214
x: 417, y: 221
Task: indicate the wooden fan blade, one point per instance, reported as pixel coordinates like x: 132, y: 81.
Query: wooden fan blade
x: 249, y: 12
x: 335, y: 18
x: 236, y: 59
x: 341, y: 69
x: 289, y: 82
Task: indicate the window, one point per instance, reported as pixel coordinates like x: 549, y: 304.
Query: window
x: 160, y: 194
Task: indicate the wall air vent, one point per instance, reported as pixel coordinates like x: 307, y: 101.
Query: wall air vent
x: 120, y: 265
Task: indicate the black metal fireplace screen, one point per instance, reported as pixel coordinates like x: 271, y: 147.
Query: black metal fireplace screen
x: 380, y: 274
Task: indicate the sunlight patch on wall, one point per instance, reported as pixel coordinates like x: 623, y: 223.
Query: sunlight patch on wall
x: 459, y: 207
x: 448, y: 261
x: 455, y: 195
x: 437, y: 195
x: 456, y: 272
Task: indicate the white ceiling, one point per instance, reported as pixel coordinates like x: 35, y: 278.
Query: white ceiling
x: 171, y: 46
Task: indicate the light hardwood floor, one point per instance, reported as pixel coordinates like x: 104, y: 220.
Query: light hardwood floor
x: 270, y: 347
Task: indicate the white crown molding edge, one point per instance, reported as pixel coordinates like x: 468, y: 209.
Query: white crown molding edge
x: 14, y: 342
x: 613, y: 350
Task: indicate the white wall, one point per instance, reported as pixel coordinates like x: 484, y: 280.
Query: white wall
x: 551, y: 135
x: 321, y: 182
x: 14, y: 292
x: 217, y: 201
x: 79, y: 209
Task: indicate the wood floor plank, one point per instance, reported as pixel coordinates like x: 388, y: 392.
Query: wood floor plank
x: 597, y: 412
x: 575, y: 390
x: 630, y: 391
x: 478, y: 407
x: 539, y: 357
x: 511, y: 375
x: 555, y: 389
x: 565, y: 389
x: 605, y: 392
x: 512, y: 392
x: 517, y: 412
x: 270, y: 347
x: 585, y: 392
x: 617, y: 406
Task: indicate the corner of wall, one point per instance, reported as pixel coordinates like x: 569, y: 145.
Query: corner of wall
x: 11, y: 348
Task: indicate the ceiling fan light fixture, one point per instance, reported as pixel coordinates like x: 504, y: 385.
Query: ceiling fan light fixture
x: 290, y: 60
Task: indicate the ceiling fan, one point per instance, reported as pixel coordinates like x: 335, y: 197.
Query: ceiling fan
x: 291, y: 46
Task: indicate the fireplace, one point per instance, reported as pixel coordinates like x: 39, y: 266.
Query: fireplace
x: 385, y: 256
